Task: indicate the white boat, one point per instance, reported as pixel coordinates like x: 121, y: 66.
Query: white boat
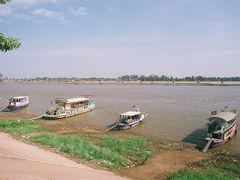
x: 18, y: 102
x: 222, y: 127
x: 129, y: 119
x: 69, y: 107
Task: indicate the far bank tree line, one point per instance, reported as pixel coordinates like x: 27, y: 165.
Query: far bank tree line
x: 171, y: 78
x: 129, y: 78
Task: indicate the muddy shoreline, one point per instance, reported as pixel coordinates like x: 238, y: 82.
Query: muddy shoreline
x: 172, y: 158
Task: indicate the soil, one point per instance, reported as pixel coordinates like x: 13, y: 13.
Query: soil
x: 164, y: 163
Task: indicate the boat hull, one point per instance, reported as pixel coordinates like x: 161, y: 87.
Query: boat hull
x: 228, y: 135
x: 69, y: 113
x: 14, y: 108
x: 123, y: 126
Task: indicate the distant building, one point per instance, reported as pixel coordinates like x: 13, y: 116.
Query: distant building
x: 1, y: 77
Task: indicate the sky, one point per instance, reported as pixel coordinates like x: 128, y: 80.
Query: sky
x: 110, y: 38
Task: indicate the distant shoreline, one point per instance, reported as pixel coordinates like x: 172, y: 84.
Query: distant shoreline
x: 112, y: 82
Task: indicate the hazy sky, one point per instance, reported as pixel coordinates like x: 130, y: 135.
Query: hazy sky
x: 109, y: 38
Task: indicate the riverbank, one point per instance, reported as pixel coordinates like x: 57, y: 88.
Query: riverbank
x: 20, y: 161
x: 111, y: 82
x: 125, y: 154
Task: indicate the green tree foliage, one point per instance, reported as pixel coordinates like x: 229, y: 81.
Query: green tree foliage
x: 4, y: 1
x: 7, y: 43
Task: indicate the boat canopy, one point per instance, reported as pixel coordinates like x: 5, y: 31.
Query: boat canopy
x: 130, y: 113
x: 225, y: 116
x: 72, y: 100
x: 19, y: 97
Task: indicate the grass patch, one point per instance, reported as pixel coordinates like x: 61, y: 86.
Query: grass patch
x: 162, y: 145
x: 111, y: 152
x: 19, y: 126
x: 220, y: 166
x: 212, y: 174
x: 232, y: 167
x: 134, y: 147
x: 83, y: 149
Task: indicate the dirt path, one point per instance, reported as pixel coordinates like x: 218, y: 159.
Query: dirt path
x: 21, y: 161
x: 164, y: 163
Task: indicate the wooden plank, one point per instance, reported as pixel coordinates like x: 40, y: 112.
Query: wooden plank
x: 38, y: 117
x: 3, y: 108
x: 207, y: 145
x: 112, y: 127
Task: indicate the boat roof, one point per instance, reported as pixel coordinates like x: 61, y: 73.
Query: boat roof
x: 226, y: 116
x: 131, y: 113
x: 72, y: 100
x: 19, y: 97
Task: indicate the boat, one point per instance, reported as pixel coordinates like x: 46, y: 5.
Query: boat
x: 222, y: 126
x: 129, y: 119
x: 16, y: 103
x: 69, y: 107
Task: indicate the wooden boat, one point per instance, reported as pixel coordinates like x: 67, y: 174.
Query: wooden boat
x: 18, y: 102
x: 129, y: 119
x: 69, y: 107
x: 222, y: 127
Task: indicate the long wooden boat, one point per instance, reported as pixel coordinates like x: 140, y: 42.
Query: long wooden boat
x: 222, y: 126
x: 69, y: 107
x: 16, y: 103
x: 129, y: 119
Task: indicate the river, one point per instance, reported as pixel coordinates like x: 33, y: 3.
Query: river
x: 176, y: 113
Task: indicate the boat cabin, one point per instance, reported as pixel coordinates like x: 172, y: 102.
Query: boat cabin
x: 72, y: 103
x: 220, y: 124
x: 130, y: 115
x: 18, y: 100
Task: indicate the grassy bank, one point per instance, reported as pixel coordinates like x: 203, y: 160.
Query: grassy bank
x: 221, y: 166
x: 117, y: 151
x: 110, y: 152
x: 19, y: 126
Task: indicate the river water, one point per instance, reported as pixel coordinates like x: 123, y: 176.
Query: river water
x: 176, y: 113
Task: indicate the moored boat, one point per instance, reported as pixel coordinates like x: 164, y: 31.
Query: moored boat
x: 69, y: 107
x: 18, y: 102
x: 129, y: 119
x: 222, y: 127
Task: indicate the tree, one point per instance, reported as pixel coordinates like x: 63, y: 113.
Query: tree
x: 4, y: 1
x: 7, y: 43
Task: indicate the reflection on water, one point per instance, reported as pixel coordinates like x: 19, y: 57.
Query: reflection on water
x: 175, y: 112
x: 197, y: 138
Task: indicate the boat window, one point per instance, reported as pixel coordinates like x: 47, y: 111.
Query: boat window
x: 217, y: 136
